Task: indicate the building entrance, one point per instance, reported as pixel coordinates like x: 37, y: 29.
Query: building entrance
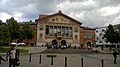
x: 89, y: 44
x: 63, y: 42
x: 54, y: 42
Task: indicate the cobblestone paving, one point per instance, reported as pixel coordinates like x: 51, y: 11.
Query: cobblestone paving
x: 73, y: 59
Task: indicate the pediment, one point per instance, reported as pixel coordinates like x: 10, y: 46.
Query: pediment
x: 60, y: 18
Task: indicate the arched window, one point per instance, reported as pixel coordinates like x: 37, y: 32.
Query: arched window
x: 76, y: 37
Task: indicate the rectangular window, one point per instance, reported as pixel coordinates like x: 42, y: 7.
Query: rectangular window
x: 41, y: 27
x: 51, y: 30
x: 63, y: 31
x: 70, y: 31
x: 59, y: 30
x: 76, y: 29
x: 47, y: 30
x: 67, y: 32
x: 87, y: 35
x: 55, y: 30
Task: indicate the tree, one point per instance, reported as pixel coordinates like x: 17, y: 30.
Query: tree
x: 111, y: 35
x: 0, y: 21
x: 27, y: 32
x: 4, y: 34
x: 118, y: 29
x: 13, y: 29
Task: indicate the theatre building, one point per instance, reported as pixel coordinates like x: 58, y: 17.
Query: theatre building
x: 57, y: 29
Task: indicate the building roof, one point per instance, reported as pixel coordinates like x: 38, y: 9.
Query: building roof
x: 117, y: 26
x: 87, y: 28
x: 31, y: 23
x: 59, y: 13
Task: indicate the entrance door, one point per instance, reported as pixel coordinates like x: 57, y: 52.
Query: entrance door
x: 89, y: 44
x: 54, y: 42
x: 63, y: 42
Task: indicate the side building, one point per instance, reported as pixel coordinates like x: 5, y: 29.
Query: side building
x: 87, y: 37
x: 100, y: 40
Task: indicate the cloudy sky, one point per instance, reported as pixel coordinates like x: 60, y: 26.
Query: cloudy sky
x: 92, y: 13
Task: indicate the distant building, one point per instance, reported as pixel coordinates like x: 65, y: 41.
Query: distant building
x: 33, y: 25
x: 100, y: 40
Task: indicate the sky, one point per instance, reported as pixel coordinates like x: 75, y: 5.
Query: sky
x: 91, y: 13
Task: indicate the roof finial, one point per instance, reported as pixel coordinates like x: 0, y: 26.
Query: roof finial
x: 59, y: 7
x: 59, y: 11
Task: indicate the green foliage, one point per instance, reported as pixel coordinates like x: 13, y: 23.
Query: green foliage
x: 11, y: 32
x: 13, y: 28
x: 27, y: 32
x: 111, y: 35
x: 5, y: 50
x: 4, y: 34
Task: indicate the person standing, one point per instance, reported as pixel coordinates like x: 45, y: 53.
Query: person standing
x: 115, y: 52
x: 13, y: 55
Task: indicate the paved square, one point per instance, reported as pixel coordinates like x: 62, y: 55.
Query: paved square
x: 73, y: 60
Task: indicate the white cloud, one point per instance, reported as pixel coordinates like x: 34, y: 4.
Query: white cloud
x: 3, y: 2
x: 77, y: 5
x: 116, y: 20
x: 18, y: 16
x: 4, y: 16
x: 92, y: 13
x: 106, y: 11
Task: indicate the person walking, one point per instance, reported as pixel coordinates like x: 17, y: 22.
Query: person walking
x: 115, y: 52
x: 13, y: 55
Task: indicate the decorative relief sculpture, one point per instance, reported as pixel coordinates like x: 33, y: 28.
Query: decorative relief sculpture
x: 58, y: 19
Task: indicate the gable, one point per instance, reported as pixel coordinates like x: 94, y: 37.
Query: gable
x: 59, y: 18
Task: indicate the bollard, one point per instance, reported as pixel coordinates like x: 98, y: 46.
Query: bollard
x: 52, y: 60
x: 30, y: 58
x: 65, y: 61
x: 0, y: 61
x: 81, y: 62
x: 52, y: 56
x: 102, y: 47
x: 40, y: 60
x: 102, y: 61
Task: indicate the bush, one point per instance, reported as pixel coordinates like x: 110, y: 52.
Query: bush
x: 5, y: 50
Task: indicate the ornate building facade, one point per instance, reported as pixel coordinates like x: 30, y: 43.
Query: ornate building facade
x: 58, y: 29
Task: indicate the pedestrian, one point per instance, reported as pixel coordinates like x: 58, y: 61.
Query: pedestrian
x: 13, y: 55
x: 115, y: 52
x: 75, y: 47
x: 88, y: 47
